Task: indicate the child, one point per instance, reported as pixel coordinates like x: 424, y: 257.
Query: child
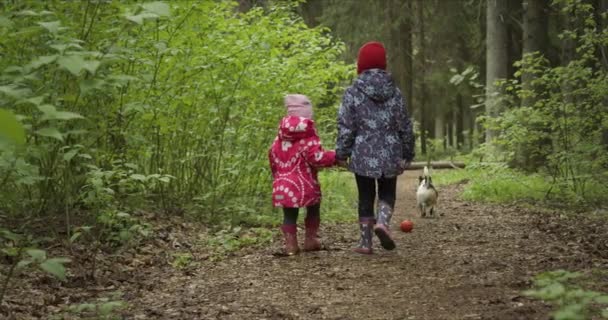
x: 295, y: 156
x: 375, y: 134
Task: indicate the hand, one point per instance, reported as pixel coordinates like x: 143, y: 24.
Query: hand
x: 403, y: 164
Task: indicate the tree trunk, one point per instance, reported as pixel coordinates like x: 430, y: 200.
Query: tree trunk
x: 405, y: 30
x: 514, y: 35
x: 450, y: 128
x: 535, y: 26
x: 311, y: 10
x: 536, y: 37
x: 436, y: 165
x: 535, y: 40
x: 440, y: 128
x: 460, y: 116
x: 496, y: 57
x: 424, y: 114
x: 602, y: 7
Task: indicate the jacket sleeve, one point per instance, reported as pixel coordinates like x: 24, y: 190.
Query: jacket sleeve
x: 346, y: 127
x: 273, y: 167
x: 406, y: 132
x: 317, y: 157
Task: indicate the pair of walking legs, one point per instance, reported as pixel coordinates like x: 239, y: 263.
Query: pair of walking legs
x: 290, y: 229
x: 368, y: 223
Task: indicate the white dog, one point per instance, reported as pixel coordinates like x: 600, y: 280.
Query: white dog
x: 426, y: 195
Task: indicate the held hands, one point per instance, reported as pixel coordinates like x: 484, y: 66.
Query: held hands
x: 403, y: 164
x: 342, y: 163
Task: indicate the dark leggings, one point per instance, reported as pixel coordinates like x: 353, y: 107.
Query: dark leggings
x: 290, y: 215
x: 387, y: 188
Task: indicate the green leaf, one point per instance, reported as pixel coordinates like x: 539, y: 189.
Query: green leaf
x: 602, y: 299
x: 122, y: 214
x: 88, y: 85
x: 10, y: 127
x: 51, y: 113
x: 92, y: 65
x: 36, y: 254
x: 47, y: 109
x: 456, y: 79
x: 139, y: 19
x: 5, y: 22
x: 68, y: 156
x: 14, y: 92
x: 42, y: 60
x: 50, y: 132
x: 11, y: 251
x: 158, y: 7
x: 55, y: 267
x: 109, y: 307
x: 74, y: 63
x: 9, y: 235
x: 605, y: 313
x: 139, y: 177
x: 66, y: 115
x: 570, y: 312
x: 84, y: 307
x: 28, y: 13
x: 75, y: 237
x: 52, y: 26
x: 24, y: 263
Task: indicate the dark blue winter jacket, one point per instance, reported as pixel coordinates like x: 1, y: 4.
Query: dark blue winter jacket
x: 374, y: 129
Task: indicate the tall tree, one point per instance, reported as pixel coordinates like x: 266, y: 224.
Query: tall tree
x: 425, y: 123
x: 535, y: 37
x: 601, y: 7
x: 496, y: 56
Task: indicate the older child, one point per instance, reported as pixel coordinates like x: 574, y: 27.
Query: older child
x: 295, y: 156
x: 375, y: 133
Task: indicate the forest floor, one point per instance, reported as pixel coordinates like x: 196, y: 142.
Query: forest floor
x: 472, y: 263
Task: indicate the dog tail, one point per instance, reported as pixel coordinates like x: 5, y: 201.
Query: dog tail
x: 426, y: 171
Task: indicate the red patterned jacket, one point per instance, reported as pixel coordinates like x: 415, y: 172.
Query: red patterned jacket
x: 295, y: 156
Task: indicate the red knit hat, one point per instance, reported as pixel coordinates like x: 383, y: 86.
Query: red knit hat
x: 371, y: 56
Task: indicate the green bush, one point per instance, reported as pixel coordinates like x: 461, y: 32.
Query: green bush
x: 570, y: 301
x: 556, y: 124
x: 169, y: 105
x: 496, y: 182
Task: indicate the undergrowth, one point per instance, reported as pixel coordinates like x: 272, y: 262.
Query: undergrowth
x: 497, y: 183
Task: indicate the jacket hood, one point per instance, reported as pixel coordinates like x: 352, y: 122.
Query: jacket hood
x: 377, y: 84
x: 295, y: 128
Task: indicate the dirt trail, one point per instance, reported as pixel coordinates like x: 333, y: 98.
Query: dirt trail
x: 472, y: 263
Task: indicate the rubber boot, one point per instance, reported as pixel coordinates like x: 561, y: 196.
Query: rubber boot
x: 381, y: 229
x: 290, y: 233
x: 365, y: 243
x: 311, y: 240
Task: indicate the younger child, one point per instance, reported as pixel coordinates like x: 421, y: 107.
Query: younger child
x: 295, y: 156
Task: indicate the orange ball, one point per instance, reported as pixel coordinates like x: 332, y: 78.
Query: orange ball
x: 407, y: 225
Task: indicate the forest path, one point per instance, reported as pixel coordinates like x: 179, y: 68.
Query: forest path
x: 472, y: 263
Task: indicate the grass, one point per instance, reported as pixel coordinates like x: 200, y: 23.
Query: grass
x: 339, y: 203
x: 496, y: 183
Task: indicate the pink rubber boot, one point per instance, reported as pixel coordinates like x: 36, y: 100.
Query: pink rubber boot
x: 366, y: 226
x: 290, y: 233
x: 311, y: 241
x: 385, y: 213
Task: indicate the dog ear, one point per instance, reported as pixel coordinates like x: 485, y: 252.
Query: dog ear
x: 420, y: 179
